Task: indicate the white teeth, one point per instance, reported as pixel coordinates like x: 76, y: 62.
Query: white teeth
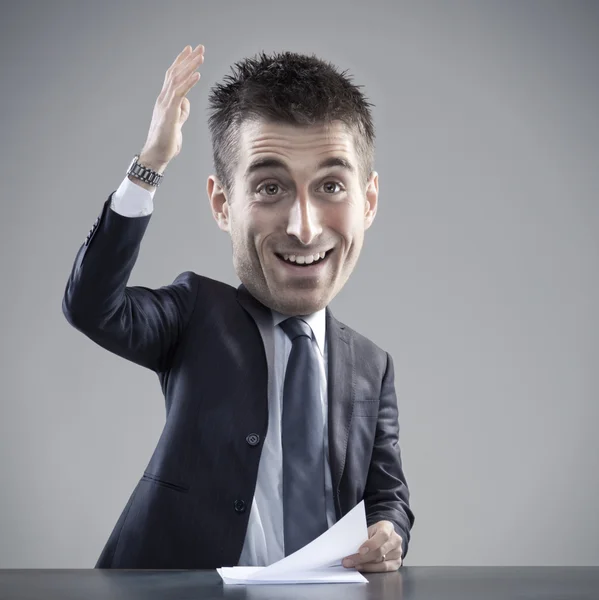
x: 301, y: 260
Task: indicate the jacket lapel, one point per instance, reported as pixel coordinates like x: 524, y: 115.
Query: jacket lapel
x: 340, y: 398
x: 263, y: 318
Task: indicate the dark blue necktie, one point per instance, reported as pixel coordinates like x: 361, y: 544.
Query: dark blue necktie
x: 302, y: 430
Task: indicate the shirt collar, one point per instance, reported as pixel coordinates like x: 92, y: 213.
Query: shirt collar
x: 317, y: 322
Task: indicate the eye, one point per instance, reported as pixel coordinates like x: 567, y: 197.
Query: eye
x: 332, y: 182
x: 272, y: 189
x: 268, y: 186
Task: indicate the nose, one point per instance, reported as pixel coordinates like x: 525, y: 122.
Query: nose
x: 304, y: 220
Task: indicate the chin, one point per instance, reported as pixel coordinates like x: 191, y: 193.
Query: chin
x: 298, y: 306
x: 290, y: 302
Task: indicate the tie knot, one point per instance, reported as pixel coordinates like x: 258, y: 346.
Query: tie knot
x: 295, y: 327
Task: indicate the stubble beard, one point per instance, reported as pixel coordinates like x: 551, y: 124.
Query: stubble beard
x: 252, y: 275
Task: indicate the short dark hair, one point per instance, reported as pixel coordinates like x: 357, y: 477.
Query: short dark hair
x: 285, y: 88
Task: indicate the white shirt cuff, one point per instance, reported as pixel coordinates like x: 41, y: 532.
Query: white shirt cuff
x: 131, y: 200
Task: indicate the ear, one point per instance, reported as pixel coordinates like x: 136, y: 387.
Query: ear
x: 218, y: 202
x: 372, y: 196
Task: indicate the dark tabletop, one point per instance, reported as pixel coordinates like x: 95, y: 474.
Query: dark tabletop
x: 409, y: 583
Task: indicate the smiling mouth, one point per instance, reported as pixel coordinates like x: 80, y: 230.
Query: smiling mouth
x: 304, y: 261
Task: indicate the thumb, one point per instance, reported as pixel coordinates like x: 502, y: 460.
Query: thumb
x: 185, y: 108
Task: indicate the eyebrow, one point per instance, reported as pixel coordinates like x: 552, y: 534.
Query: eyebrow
x: 275, y: 163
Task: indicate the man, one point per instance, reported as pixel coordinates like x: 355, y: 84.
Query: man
x: 276, y: 425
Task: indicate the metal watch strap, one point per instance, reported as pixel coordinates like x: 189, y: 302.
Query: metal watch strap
x: 144, y: 173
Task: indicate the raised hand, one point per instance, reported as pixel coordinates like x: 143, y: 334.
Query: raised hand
x: 171, y: 110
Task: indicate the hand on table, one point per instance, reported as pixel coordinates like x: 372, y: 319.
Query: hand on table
x: 380, y: 553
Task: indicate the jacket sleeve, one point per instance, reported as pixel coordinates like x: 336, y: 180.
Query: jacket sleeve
x: 140, y: 324
x: 386, y: 495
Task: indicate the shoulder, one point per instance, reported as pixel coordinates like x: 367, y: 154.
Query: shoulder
x: 361, y: 342
x: 201, y: 284
x: 212, y: 298
x: 366, y: 352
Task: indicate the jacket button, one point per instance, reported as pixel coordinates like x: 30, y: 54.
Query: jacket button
x: 253, y: 439
x: 239, y: 506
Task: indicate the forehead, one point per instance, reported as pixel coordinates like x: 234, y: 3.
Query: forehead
x: 299, y: 147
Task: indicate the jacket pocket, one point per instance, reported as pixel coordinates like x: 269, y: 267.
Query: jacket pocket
x: 162, y: 482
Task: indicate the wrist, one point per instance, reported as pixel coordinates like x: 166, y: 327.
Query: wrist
x: 140, y: 183
x: 149, y: 161
x: 146, y: 171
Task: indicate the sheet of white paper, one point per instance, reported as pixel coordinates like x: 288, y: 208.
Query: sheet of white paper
x: 319, y: 561
x: 327, y: 575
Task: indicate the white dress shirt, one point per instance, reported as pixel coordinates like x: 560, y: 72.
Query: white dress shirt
x: 264, y: 542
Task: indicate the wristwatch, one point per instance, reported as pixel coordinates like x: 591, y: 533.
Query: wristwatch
x: 144, y: 174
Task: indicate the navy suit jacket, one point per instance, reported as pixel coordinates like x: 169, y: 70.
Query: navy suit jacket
x: 212, y: 347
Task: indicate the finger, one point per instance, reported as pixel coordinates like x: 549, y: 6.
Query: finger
x: 182, y: 79
x: 375, y: 554
x: 391, y: 545
x: 199, y: 49
x: 186, y: 72
x: 180, y: 85
x: 181, y: 57
x: 188, y: 54
x: 182, y: 61
x: 185, y: 110
x: 379, y: 538
x: 393, y: 555
x: 359, y: 559
x: 193, y: 58
x: 182, y: 90
x: 367, y: 550
x: 182, y: 54
x: 351, y: 560
x: 380, y: 567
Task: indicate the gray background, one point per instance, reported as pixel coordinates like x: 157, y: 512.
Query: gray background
x: 479, y: 274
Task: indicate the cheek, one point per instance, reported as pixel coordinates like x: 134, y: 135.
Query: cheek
x: 252, y: 227
x: 347, y: 222
x: 261, y: 223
